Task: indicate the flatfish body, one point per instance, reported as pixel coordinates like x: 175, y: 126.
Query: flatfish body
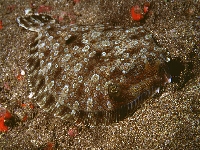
x: 96, y: 74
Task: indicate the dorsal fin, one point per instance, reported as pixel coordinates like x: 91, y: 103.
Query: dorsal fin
x: 35, y: 22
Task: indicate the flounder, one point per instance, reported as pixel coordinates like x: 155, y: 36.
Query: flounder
x: 96, y: 74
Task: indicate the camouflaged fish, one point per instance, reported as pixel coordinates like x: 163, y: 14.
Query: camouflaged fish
x: 96, y: 74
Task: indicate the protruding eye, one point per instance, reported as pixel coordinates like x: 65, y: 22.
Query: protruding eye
x: 114, y: 91
x: 175, y: 68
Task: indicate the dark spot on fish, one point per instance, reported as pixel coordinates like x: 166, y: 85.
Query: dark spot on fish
x: 70, y: 40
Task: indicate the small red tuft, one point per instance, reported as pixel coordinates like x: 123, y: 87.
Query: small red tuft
x: 23, y: 105
x: 1, y: 25
x: 25, y: 118
x: 146, y: 7
x: 31, y: 106
x: 76, y: 1
x: 49, y: 146
x: 7, y: 115
x: 72, y: 132
x: 61, y: 16
x: 10, y: 8
x: 44, y: 8
x: 6, y: 86
x: 136, y: 13
x: 20, y: 77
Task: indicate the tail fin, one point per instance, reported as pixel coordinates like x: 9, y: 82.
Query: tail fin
x: 35, y: 22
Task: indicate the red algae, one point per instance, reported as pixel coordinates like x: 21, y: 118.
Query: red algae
x: 136, y: 13
x: 4, y: 115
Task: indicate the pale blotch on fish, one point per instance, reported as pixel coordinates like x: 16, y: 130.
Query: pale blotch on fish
x: 96, y: 74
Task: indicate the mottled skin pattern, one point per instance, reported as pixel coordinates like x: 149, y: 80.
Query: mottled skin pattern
x: 96, y: 74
